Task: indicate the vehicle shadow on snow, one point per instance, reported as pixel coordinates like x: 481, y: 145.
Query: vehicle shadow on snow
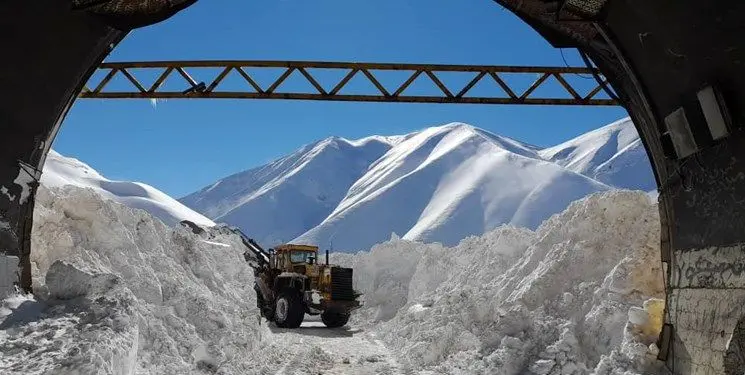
x: 312, y: 328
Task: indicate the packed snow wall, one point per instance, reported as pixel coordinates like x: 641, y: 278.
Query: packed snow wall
x: 582, y: 294
x: 119, y: 292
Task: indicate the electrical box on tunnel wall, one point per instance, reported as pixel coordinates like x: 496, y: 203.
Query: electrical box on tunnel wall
x: 697, y: 124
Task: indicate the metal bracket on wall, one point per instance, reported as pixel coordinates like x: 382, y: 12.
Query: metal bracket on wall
x: 679, y: 130
x: 717, y: 116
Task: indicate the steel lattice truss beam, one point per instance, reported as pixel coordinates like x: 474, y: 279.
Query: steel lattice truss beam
x: 194, y: 89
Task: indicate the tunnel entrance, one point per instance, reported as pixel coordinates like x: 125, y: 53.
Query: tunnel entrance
x: 675, y: 65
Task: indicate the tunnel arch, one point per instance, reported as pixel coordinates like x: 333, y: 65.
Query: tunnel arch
x: 657, y: 56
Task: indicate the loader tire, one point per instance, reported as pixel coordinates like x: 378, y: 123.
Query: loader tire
x: 289, y: 310
x: 333, y: 319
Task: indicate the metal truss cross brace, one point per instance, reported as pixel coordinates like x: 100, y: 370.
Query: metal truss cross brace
x: 211, y: 90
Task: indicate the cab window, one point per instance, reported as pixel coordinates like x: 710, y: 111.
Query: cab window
x: 299, y: 256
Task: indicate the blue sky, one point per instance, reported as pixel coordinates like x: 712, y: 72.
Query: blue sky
x: 180, y: 146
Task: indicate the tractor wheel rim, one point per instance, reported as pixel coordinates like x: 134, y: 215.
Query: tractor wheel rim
x: 281, y: 309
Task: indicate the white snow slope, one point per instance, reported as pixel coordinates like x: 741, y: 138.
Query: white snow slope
x: 435, y: 185
x: 445, y: 183
x: 281, y: 200
x: 60, y: 171
x: 613, y: 154
x: 118, y: 292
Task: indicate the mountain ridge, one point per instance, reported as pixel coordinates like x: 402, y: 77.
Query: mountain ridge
x: 620, y: 150
x: 435, y: 160
x: 298, y: 190
x: 453, y: 181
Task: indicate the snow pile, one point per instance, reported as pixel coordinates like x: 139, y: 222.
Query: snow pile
x: 61, y: 171
x: 384, y: 274
x: 565, y: 299
x: 119, y: 292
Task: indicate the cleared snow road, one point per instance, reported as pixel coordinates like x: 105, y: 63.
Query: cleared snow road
x: 315, y: 349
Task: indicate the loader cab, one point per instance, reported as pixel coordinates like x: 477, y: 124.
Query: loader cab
x: 290, y: 257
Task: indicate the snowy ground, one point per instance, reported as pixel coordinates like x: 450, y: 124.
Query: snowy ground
x: 315, y: 349
x: 118, y: 292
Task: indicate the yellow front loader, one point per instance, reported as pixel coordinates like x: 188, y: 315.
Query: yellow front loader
x: 290, y: 282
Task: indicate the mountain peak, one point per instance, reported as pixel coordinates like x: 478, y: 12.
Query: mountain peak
x: 445, y: 183
x: 465, y: 131
x: 336, y: 141
x: 455, y: 126
x: 281, y: 200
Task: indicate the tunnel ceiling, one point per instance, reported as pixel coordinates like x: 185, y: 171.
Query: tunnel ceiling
x: 561, y: 23
x: 130, y: 14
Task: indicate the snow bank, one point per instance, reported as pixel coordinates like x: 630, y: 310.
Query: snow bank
x: 385, y: 275
x: 565, y: 299
x: 119, y: 292
x: 61, y: 171
x: 89, y: 326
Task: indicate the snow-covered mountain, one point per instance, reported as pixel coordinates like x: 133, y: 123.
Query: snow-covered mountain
x: 283, y: 199
x: 438, y: 184
x: 445, y: 183
x: 60, y: 171
x: 613, y: 154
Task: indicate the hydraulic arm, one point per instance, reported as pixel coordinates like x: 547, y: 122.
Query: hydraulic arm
x: 260, y: 257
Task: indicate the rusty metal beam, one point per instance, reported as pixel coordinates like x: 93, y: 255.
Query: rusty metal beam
x: 201, y: 90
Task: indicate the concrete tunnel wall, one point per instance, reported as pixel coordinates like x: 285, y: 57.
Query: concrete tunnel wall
x: 52, y: 47
x: 656, y: 54
x: 49, y: 51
